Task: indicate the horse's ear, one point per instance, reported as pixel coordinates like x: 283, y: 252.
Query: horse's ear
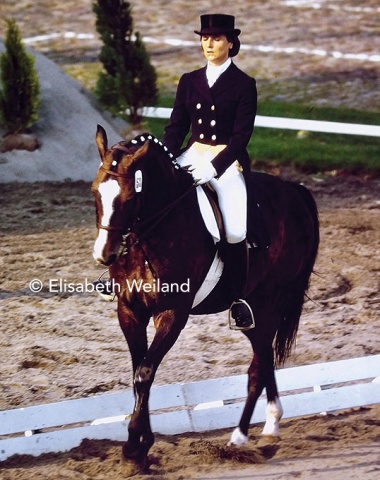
x: 141, y: 151
x: 128, y: 160
x: 101, y: 140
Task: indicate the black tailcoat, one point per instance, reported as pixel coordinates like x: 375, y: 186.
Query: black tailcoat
x: 221, y: 115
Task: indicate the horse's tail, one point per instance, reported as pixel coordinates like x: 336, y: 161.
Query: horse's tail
x: 293, y: 295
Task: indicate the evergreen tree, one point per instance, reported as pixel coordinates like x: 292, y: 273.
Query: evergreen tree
x: 20, y: 89
x: 129, y: 80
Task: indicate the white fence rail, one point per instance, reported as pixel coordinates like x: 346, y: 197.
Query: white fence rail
x: 291, y: 124
x: 192, y: 407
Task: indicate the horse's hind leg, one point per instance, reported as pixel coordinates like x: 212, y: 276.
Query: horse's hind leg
x: 274, y: 409
x: 260, y: 375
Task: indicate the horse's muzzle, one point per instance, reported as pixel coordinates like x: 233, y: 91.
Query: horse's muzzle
x: 109, y: 261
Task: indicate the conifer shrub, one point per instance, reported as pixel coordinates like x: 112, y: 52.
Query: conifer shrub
x: 129, y: 81
x: 19, y: 84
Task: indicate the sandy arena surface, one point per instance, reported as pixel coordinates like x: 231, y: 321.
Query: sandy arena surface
x: 58, y: 346
x: 68, y: 345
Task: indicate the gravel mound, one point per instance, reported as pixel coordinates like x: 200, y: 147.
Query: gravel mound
x: 68, y: 116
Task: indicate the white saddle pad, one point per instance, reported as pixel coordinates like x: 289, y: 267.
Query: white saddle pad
x: 202, y: 152
x: 209, y: 283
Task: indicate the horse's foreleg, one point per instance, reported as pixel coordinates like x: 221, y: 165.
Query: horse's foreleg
x: 140, y: 438
x: 168, y: 327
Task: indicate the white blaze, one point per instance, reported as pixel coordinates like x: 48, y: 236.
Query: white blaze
x: 108, y: 191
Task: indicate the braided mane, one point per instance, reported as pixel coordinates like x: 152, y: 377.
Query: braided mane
x: 133, y: 145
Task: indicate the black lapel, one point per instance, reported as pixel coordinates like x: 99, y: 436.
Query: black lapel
x: 226, y: 80
x: 200, y: 83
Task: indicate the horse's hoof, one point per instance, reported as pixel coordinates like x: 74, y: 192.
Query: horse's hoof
x: 130, y: 468
x: 268, y: 440
x: 237, y: 438
x: 268, y: 446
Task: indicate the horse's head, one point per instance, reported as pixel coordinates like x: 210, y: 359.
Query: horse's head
x: 119, y: 189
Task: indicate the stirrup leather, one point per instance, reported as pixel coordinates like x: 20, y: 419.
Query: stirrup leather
x: 240, y: 316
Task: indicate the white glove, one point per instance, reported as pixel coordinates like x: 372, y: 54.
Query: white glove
x: 189, y: 159
x: 203, y: 172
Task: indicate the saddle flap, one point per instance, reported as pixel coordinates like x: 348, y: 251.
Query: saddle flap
x: 210, y: 212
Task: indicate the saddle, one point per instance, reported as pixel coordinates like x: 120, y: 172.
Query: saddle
x: 257, y: 232
x: 211, y: 214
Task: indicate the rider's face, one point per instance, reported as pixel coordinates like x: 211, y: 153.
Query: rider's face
x: 216, y: 48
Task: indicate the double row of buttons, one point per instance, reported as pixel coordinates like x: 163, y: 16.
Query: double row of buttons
x: 212, y: 123
x: 199, y: 106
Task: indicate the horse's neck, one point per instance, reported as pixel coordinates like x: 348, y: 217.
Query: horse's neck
x: 170, y: 207
x: 166, y: 186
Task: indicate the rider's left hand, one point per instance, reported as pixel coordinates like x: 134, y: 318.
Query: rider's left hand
x: 203, y: 172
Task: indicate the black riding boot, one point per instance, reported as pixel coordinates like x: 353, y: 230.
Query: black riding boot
x: 236, y: 268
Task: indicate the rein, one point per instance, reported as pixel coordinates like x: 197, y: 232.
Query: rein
x: 159, y: 216
x: 156, y: 218
x: 153, y: 221
x: 150, y: 222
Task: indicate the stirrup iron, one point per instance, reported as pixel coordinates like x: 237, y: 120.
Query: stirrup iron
x: 104, y: 288
x: 240, y: 316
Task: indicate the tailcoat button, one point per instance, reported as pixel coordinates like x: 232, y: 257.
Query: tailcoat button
x: 213, y: 137
x: 213, y: 123
x: 198, y: 106
x: 200, y: 121
x: 201, y: 136
x: 212, y: 107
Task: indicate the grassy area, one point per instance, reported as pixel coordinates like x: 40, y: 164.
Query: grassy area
x: 309, y: 151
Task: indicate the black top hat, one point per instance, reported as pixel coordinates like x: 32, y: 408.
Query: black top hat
x: 216, y: 24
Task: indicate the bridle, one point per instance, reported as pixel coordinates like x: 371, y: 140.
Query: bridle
x: 138, y: 230
x: 141, y: 228
x: 112, y: 173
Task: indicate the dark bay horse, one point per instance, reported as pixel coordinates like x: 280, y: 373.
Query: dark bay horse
x: 150, y: 229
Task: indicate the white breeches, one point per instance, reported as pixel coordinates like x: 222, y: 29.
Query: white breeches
x: 232, y: 195
x: 232, y: 198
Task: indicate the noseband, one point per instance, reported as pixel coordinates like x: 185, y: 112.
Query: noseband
x: 109, y: 228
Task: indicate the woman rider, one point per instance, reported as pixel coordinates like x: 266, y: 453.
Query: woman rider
x: 218, y: 103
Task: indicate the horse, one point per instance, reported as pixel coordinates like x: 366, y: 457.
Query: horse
x: 150, y: 229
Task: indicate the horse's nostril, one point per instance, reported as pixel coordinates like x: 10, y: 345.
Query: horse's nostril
x: 110, y: 260
x: 105, y: 261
